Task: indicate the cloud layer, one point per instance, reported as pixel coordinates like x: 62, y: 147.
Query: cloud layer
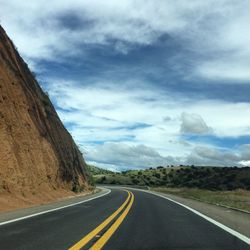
x: 194, y: 124
x: 127, y: 156
x: 143, y: 83
x: 98, y: 115
x: 213, y: 31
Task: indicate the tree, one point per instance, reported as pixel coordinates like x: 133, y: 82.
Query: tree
x: 135, y: 181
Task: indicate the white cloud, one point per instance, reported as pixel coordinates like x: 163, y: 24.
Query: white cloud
x: 231, y: 70
x: 120, y: 156
x: 127, y: 156
x: 226, y: 118
x: 212, y: 156
x: 245, y: 152
x: 213, y: 30
x: 204, y: 155
x: 194, y: 124
x: 39, y: 33
x: 107, y: 113
x: 244, y: 163
x: 110, y: 105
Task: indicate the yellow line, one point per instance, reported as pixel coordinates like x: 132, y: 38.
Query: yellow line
x: 103, y: 240
x: 94, y: 232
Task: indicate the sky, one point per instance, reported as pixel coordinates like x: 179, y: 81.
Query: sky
x: 142, y: 83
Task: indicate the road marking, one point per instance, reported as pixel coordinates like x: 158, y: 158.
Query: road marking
x: 103, y: 240
x: 227, y: 229
x: 54, y: 209
x: 222, y: 226
x: 94, y: 232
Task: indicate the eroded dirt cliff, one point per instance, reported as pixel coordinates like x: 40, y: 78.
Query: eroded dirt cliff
x: 38, y: 156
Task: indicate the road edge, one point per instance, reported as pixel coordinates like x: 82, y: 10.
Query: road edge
x: 222, y: 226
x: 105, y: 190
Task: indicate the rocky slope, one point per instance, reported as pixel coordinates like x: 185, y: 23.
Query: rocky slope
x: 37, y: 154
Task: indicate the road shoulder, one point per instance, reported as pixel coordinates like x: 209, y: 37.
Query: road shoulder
x: 233, y: 219
x: 238, y: 221
x: 36, y: 210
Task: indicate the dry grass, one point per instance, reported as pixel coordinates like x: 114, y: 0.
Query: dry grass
x: 239, y: 199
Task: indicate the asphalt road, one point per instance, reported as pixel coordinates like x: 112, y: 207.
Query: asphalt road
x: 144, y: 222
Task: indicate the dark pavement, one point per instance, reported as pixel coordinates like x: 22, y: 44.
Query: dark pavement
x: 152, y: 223
x: 156, y: 223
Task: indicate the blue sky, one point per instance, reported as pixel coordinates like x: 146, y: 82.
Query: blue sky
x: 143, y: 83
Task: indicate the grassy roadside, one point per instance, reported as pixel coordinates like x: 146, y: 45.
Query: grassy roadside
x: 239, y: 199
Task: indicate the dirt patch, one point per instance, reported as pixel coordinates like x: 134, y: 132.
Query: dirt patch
x: 18, y: 201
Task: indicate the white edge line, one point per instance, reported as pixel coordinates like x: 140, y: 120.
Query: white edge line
x: 54, y: 209
x: 228, y: 229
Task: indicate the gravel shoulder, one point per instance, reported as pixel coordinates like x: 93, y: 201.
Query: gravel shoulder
x: 237, y: 220
x: 12, y: 215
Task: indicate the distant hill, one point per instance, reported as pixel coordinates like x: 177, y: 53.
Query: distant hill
x: 98, y: 171
x: 211, y: 178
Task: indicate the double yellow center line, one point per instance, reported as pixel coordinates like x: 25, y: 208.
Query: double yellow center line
x: 125, y: 207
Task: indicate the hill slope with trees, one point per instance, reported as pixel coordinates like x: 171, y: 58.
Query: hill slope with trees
x: 210, y: 178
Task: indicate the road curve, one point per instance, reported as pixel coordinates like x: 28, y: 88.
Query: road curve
x: 119, y: 220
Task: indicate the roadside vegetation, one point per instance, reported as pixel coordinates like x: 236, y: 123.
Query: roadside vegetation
x: 98, y: 171
x: 208, y: 178
x: 226, y: 186
x: 239, y: 198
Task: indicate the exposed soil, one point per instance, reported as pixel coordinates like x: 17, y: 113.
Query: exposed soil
x: 38, y: 157
x: 17, y: 200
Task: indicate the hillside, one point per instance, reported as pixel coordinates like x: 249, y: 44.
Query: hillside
x: 38, y: 157
x: 97, y: 171
x: 211, y: 178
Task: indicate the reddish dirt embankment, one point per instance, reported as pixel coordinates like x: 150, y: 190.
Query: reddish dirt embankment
x: 38, y: 157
